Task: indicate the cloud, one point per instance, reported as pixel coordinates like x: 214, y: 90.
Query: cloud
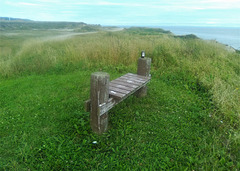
x: 170, y: 5
x: 17, y: 4
x: 195, y: 4
x: 48, y: 1
x: 126, y: 11
x: 28, y: 4
x: 212, y: 4
x: 223, y: 1
x: 106, y: 3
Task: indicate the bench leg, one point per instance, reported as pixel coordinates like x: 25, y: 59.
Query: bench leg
x: 99, y: 94
x: 141, y: 92
x: 144, y: 66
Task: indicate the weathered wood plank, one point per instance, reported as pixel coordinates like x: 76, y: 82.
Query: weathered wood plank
x: 118, y: 90
x: 124, y: 83
x: 136, y: 78
x: 116, y: 95
x: 119, y: 99
x: 123, y: 87
x: 130, y: 81
x: 105, y: 107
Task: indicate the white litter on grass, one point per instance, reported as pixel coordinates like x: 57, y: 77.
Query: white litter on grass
x: 94, y: 142
x: 221, y: 121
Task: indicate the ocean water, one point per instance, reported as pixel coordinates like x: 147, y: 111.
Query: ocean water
x: 225, y: 35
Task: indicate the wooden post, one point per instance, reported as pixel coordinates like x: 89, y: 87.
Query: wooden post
x: 144, y: 65
x: 99, y: 94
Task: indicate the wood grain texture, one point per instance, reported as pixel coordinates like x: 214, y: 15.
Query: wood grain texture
x: 99, y: 94
x: 126, y: 85
x: 123, y: 87
x: 144, y: 66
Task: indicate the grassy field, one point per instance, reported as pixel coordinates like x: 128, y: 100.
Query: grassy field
x: 188, y: 121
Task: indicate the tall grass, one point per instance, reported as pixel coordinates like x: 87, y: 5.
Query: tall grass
x: 214, y: 67
x: 209, y: 62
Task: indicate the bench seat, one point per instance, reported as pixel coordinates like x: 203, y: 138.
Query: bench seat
x: 120, y: 89
x: 124, y: 86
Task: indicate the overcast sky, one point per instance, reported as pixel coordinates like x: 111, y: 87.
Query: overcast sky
x: 127, y: 12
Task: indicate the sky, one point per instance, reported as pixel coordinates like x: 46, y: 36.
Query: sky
x: 128, y: 12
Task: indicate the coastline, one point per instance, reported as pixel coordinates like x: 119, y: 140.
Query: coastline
x: 228, y: 36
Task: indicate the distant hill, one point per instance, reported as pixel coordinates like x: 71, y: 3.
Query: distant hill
x: 8, y: 23
x: 13, y: 19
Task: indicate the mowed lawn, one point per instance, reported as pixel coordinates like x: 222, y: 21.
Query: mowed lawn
x: 43, y: 126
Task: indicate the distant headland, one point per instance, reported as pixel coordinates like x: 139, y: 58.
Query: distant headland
x: 13, y: 19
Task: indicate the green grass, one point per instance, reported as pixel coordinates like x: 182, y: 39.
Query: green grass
x: 44, y: 126
x: 188, y: 121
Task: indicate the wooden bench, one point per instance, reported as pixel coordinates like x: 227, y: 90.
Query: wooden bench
x: 104, y: 94
x: 126, y: 85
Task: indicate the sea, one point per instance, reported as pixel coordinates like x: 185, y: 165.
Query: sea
x: 226, y: 35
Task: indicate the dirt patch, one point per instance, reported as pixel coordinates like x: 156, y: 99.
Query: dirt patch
x: 64, y: 36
